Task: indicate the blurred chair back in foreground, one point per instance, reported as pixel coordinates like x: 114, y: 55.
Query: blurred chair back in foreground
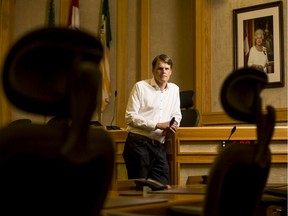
x: 50, y: 169
x: 239, y: 173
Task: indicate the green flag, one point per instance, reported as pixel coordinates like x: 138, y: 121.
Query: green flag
x: 106, y: 20
x: 51, y: 18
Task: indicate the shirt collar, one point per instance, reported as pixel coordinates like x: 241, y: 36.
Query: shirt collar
x: 154, y: 84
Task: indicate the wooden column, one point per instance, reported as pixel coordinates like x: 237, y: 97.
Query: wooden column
x: 64, y: 12
x: 203, y: 56
x: 7, y: 24
x: 145, y: 40
x: 121, y: 60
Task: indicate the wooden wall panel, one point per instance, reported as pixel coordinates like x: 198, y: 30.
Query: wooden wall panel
x: 145, y: 39
x: 221, y: 118
x: 7, y: 23
x: 121, y: 60
x: 64, y: 12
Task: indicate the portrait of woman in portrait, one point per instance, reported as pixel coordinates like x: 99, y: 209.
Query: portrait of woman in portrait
x: 259, y: 44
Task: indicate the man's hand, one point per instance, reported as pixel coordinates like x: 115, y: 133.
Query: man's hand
x: 163, y: 125
x: 168, y: 130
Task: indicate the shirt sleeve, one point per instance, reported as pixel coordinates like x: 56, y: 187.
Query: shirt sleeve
x: 176, y: 110
x: 132, y: 116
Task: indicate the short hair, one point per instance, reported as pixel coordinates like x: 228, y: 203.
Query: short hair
x: 259, y: 31
x: 163, y: 58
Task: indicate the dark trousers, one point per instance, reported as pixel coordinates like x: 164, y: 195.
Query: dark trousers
x: 145, y: 158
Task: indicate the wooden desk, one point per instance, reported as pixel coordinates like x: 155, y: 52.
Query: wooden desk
x: 144, y: 204
x: 194, y: 196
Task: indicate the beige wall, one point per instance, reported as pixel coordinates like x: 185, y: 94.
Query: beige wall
x: 173, y: 33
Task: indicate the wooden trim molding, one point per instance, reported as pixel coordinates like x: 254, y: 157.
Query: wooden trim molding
x: 220, y: 118
x: 7, y: 25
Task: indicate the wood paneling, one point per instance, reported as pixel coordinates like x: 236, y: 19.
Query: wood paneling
x: 145, y: 39
x: 64, y: 12
x: 121, y: 60
x: 7, y: 24
x: 220, y: 118
x: 203, y: 56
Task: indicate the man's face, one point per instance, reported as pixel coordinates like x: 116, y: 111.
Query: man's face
x: 162, y: 72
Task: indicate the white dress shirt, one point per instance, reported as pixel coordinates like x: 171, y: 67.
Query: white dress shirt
x: 148, y: 105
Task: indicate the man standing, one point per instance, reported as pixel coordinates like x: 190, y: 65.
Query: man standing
x: 151, y: 106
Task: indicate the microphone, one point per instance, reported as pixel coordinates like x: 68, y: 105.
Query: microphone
x: 226, y: 142
x: 111, y: 126
x: 154, y: 185
x: 232, y: 132
x: 172, y: 121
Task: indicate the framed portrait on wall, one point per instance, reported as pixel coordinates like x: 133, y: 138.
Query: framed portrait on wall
x: 258, y: 40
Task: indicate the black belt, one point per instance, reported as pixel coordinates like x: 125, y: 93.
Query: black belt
x: 147, y: 139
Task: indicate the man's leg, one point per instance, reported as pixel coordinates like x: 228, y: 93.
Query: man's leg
x: 137, y: 158
x: 160, y: 166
